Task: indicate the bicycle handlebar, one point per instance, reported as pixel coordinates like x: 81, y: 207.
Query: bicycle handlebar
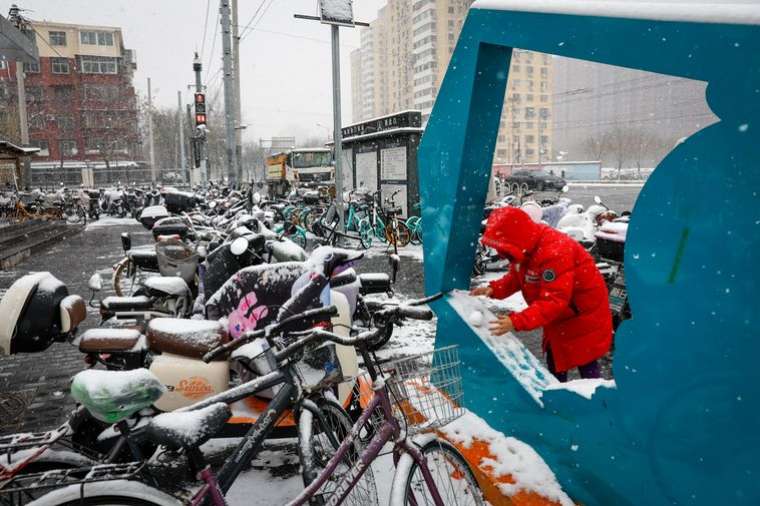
x: 308, y: 317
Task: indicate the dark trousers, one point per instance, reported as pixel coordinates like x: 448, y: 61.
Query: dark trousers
x: 590, y: 370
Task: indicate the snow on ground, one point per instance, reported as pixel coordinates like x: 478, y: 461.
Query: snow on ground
x: 110, y: 221
x: 381, y: 249
x: 512, y: 457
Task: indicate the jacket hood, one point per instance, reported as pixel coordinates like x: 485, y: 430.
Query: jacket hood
x: 511, y: 231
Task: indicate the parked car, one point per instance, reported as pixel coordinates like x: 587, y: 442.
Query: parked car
x: 534, y: 180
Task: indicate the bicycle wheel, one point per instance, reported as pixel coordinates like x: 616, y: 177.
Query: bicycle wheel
x: 316, y: 449
x: 402, y: 236
x: 451, y: 475
x: 122, y: 284
x: 365, y: 232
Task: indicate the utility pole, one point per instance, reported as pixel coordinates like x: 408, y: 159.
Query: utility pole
x: 238, y: 116
x: 229, y: 93
x: 26, y: 178
x: 335, y: 16
x: 185, y: 171
x: 151, y: 147
x: 337, y: 132
x: 200, y: 137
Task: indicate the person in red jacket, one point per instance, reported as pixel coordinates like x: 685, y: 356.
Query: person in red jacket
x: 565, y: 292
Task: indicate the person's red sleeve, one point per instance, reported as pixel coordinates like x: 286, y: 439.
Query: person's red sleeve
x: 505, y: 286
x: 556, y: 290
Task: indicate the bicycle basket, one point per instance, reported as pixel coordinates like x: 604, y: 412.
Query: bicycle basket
x: 426, y: 388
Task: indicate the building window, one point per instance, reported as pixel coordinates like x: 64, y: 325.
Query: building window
x: 530, y: 112
x: 528, y: 125
x: 105, y: 39
x: 501, y: 153
x: 529, y: 97
x: 34, y: 94
x: 530, y: 139
x: 68, y: 148
x: 92, y: 146
x: 544, y: 72
x: 36, y: 121
x: 529, y: 69
x: 544, y: 113
x: 544, y: 86
x: 65, y: 123
x: 515, y: 68
x: 98, y: 65
x: 544, y: 98
x: 59, y: 65
x: 530, y: 152
x: 530, y: 85
x: 57, y: 38
x: 32, y: 68
x: 107, y: 93
x: 544, y: 140
x: 3, y: 64
x: 63, y: 94
x: 502, y: 139
x: 43, y: 145
x: 516, y: 97
x: 90, y: 38
x: 516, y: 125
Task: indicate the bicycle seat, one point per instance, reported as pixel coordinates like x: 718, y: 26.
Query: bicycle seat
x: 108, y: 340
x: 188, y: 338
x: 144, y: 258
x: 112, y: 396
x: 188, y: 429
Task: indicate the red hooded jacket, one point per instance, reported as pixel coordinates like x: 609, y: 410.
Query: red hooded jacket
x: 565, y: 292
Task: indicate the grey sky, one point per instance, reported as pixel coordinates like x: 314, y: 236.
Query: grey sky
x: 286, y: 78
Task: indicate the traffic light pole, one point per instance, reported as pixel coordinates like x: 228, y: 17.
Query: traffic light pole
x: 200, y: 140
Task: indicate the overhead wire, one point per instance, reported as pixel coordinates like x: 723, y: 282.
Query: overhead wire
x: 252, y: 28
x: 205, y: 30
x: 213, y: 45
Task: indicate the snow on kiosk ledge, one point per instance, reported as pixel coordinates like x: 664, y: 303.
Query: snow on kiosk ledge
x: 511, y: 457
x: 525, y: 367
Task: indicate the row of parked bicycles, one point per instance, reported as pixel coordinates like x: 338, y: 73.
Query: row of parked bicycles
x: 368, y: 217
x: 224, y: 327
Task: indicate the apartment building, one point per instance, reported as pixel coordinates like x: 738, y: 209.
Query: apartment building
x: 405, y: 53
x: 80, y: 100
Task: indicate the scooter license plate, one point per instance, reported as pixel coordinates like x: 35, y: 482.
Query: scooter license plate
x: 617, y: 298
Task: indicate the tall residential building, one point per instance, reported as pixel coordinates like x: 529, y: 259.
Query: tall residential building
x: 81, y: 104
x: 405, y: 53
x: 593, y: 103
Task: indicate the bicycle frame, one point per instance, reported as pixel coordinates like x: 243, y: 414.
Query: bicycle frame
x: 390, y: 429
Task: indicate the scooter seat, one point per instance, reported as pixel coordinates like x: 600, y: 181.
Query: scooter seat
x: 108, y: 340
x: 375, y: 282
x: 188, y: 338
x: 144, y: 258
x: 112, y: 396
x: 114, y: 303
x: 172, y: 285
x: 188, y: 429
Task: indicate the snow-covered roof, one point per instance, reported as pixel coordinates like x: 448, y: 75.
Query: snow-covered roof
x: 381, y: 133
x: 309, y: 150
x: 370, y: 120
x: 741, y: 12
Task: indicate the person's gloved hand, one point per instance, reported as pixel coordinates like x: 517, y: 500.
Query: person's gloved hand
x: 482, y: 290
x: 501, y: 325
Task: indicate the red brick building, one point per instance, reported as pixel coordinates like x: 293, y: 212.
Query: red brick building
x: 81, y: 104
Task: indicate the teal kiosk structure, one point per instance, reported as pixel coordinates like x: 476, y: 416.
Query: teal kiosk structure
x: 681, y: 424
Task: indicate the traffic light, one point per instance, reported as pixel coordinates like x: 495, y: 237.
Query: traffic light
x: 200, y: 109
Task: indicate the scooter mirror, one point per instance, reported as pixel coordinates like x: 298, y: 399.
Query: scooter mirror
x: 95, y: 283
x: 239, y: 246
x: 395, y: 264
x: 565, y: 189
x: 597, y: 199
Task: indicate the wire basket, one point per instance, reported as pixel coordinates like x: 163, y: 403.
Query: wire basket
x: 426, y: 389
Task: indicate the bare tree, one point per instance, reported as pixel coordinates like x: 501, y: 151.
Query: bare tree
x: 596, y: 146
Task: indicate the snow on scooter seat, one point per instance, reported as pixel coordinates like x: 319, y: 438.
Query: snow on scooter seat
x: 514, y: 355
